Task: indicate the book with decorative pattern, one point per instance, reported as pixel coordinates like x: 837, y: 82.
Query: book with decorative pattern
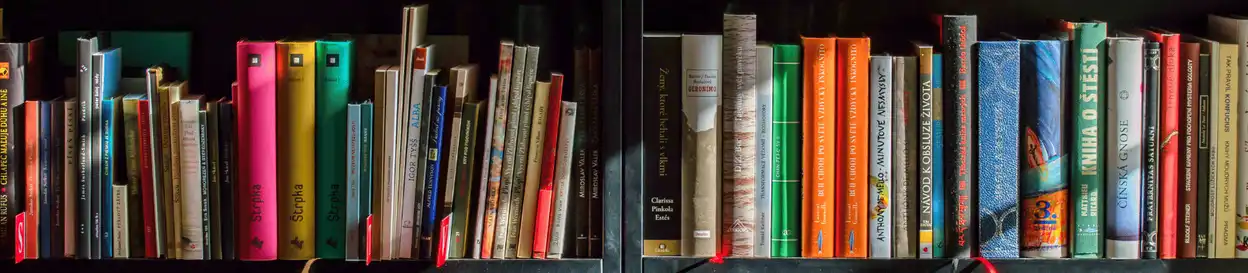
x: 998, y: 150
x: 739, y: 133
x: 958, y: 35
x: 786, y: 159
x: 1152, y: 151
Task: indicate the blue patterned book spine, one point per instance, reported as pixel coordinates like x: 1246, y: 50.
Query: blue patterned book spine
x: 938, y: 162
x: 998, y: 148
x: 1044, y: 187
x: 437, y: 114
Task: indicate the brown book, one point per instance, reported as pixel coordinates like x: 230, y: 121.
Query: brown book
x: 1189, y: 98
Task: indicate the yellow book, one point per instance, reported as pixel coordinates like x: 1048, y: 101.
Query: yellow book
x: 296, y: 162
x: 169, y: 94
x: 1225, y: 82
x: 533, y: 175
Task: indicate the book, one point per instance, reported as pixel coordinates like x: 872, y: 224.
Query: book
x: 1222, y: 153
x: 1205, y: 181
x: 545, y: 197
x: 354, y: 207
x: 1088, y: 43
x: 116, y: 192
x: 485, y: 148
x: 663, y: 214
x: 787, y: 152
x: 739, y: 133
x: 212, y: 146
x: 1169, y: 138
x: 958, y: 36
x: 819, y: 104
x: 174, y: 193
x: 905, y: 165
x: 533, y: 164
x: 257, y: 150
x: 940, y: 208
x: 414, y: 145
x: 497, y: 149
x: 763, y: 65
x: 701, y: 85
x: 1189, y: 95
x: 998, y: 120
x: 192, y: 235
x: 1234, y: 30
x: 147, y: 176
x: 563, y: 178
x: 333, y: 85
x: 228, y: 174
x: 57, y: 191
x: 87, y: 46
x: 1152, y: 150
x: 437, y: 115
x: 852, y: 102
x: 30, y: 239
x: 106, y: 77
x: 509, y: 152
x: 880, y: 151
x: 385, y: 241
x: 594, y: 210
x: 12, y: 87
x: 46, y: 215
x: 1125, y: 57
x: 460, y: 203
x: 129, y: 124
x: 204, y: 185
x: 519, y: 183
x: 928, y: 106
x: 367, y: 184
x: 70, y: 179
x: 296, y: 152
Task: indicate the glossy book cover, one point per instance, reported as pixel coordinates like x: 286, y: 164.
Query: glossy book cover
x: 1044, y: 189
x: 257, y: 151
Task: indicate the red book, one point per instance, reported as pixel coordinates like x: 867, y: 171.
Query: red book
x: 1189, y: 84
x: 32, y: 178
x: 145, y: 177
x: 257, y: 151
x: 546, y: 193
x: 1170, y: 139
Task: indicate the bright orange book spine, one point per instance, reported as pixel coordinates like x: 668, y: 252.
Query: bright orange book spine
x: 853, y: 101
x: 818, y: 141
x: 32, y: 179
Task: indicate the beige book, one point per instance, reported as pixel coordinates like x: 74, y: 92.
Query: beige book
x: 533, y: 175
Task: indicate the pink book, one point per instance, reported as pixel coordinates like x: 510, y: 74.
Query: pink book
x: 257, y: 150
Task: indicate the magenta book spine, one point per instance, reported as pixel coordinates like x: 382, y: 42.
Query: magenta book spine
x: 257, y: 118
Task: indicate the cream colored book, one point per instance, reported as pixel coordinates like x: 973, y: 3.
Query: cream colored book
x: 187, y: 183
x: 533, y: 176
x: 1234, y: 31
x: 1223, y: 174
x: 563, y: 180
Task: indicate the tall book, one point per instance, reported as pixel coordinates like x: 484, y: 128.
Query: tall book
x: 157, y: 124
x: 740, y: 131
x: 763, y: 64
x: 58, y: 192
x: 129, y: 124
x: 413, y: 146
x: 786, y: 152
x: 511, y: 135
x: 461, y: 199
x: 940, y: 200
x: 519, y: 183
x: 485, y: 148
x: 880, y: 143
x: 663, y: 213
x: 296, y: 163
x: 852, y: 68
x: 256, y: 104
x: 998, y: 120
x: 212, y: 146
x: 228, y: 174
x: 106, y: 78
x: 385, y: 238
x: 1189, y: 96
x: 333, y: 85
x: 1223, y: 139
x: 700, y: 62
x: 353, y: 208
x: 497, y: 139
x: 204, y: 185
x: 150, y: 194
x: 186, y: 111
x: 958, y: 34
x: 1204, y: 134
x: 1169, y: 138
x: 593, y: 217
x: 1234, y: 30
x: 546, y: 192
x: 70, y: 180
x: 29, y: 239
x: 366, y: 176
x: 44, y: 178
x: 114, y: 181
x: 563, y: 178
x: 1152, y: 150
x: 819, y: 105
x: 1088, y: 44
x: 905, y: 156
x: 87, y: 46
x: 533, y: 163
x: 1126, y: 60
x: 437, y: 127
x: 928, y: 178
x: 12, y: 88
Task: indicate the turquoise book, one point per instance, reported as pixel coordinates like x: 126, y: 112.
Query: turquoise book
x: 366, y: 169
x: 333, y: 84
x: 106, y: 178
x: 353, y: 183
x: 938, y: 165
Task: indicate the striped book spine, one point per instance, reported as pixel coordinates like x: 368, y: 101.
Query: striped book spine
x: 1126, y: 111
x: 998, y: 103
x: 740, y: 131
x: 880, y: 186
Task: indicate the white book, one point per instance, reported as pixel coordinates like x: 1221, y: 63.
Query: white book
x: 881, y: 150
x: 563, y: 180
x: 762, y: 202
x: 1234, y: 30
x: 700, y: 60
x: 353, y: 182
x: 509, y: 153
x: 905, y: 156
x: 121, y: 242
x: 1125, y: 114
x: 412, y: 146
x: 192, y: 239
x: 484, y: 180
x: 385, y: 214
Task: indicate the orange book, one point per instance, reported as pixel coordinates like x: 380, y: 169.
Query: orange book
x: 32, y: 178
x: 853, y: 103
x: 819, y: 146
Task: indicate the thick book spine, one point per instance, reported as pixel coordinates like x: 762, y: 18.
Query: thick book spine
x: 998, y: 115
x: 257, y: 151
x: 563, y: 182
x: 192, y: 238
x: 1204, y: 143
x: 437, y: 118
x: 149, y: 198
x: 87, y: 46
x: 511, y: 135
x: 485, y: 149
x: 958, y: 36
x: 333, y: 83
x: 1152, y: 149
x: 1088, y: 175
x: 853, y: 98
x: 228, y: 155
x: 1169, y: 139
x: 740, y: 104
x: 786, y: 152
x: 1235, y: 30
x: 905, y: 167
x: 880, y: 209
x: 701, y: 151
x: 545, y: 198
x: 11, y: 89
x: 661, y: 115
x: 134, y: 185
x: 367, y: 131
x: 1225, y: 158
x: 1125, y: 116
x: 927, y: 166
x: 351, y: 249
x: 763, y: 64
x: 296, y: 165
x: 462, y: 193
x: 819, y: 201
x: 519, y: 185
x: 1189, y: 70
x: 533, y: 166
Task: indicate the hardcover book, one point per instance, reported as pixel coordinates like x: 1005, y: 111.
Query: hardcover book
x: 30, y: 237
x: 998, y: 120
x: 1044, y: 188
x: 228, y: 175
x: 880, y: 209
x: 106, y: 77
x: 1152, y: 150
x: 87, y: 46
x: 437, y: 112
x: 413, y: 146
x: 1126, y: 110
x: 134, y: 186
x: 853, y: 98
x: 1234, y: 30
x: 739, y: 133
x: 1189, y: 85
x: 701, y: 146
x: 763, y: 64
x: 1222, y: 154
x: 1204, y: 133
x: 333, y: 85
x: 70, y: 181
x: 1088, y: 178
x: 257, y: 150
x: 905, y: 156
x: 663, y: 213
x: 1169, y: 137
x: 296, y: 152
x: 958, y: 34
x: 819, y: 110
x: 786, y: 152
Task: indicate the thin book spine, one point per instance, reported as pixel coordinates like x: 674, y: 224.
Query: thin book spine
x: 533, y: 166
x: 563, y: 178
x: 764, y: 176
x: 1152, y: 115
x: 880, y: 210
x: 1204, y: 143
x: 519, y: 182
x: 462, y: 201
x: 905, y: 156
x: 437, y: 115
x: 86, y: 231
x: 351, y: 249
x: 1189, y: 55
x: 927, y: 177
x: 546, y: 191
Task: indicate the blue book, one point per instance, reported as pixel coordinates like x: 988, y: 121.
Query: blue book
x: 938, y: 163
x: 437, y: 114
x: 45, y: 180
x: 998, y: 148
x: 105, y: 80
x: 106, y: 176
x: 1044, y: 185
x: 353, y: 234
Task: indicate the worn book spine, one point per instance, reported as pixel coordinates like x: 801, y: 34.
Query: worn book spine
x: 133, y: 204
x: 739, y: 133
x: 663, y: 213
x: 764, y: 176
x: 1189, y: 55
x: 1204, y: 143
x: 563, y: 182
x: 701, y: 151
x: 786, y: 152
x: 998, y: 121
x: 497, y: 148
x: 351, y: 226
x: 519, y: 183
x: 257, y: 150
x: 880, y: 184
x: 1225, y: 158
x: 509, y: 151
x: 545, y: 199
x: 192, y: 196
x: 462, y: 194
x: 853, y: 98
x: 174, y: 194
x: 958, y: 36
x: 1125, y: 116
x: 533, y: 167
x: 1088, y: 178
x: 927, y: 165
x: 905, y: 167
x: 485, y: 149
x: 296, y: 164
x: 1234, y: 29
x: 1152, y: 149
x: 333, y: 85
x: 819, y: 103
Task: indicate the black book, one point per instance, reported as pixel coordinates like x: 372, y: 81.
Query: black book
x: 17, y: 171
x: 1152, y: 114
x: 958, y: 37
x: 594, y: 209
x: 576, y: 244
x: 1203, y: 157
x: 45, y: 179
x: 88, y: 239
x: 11, y: 177
x: 57, y: 161
x: 661, y: 135
x: 214, y: 178
x: 226, y: 140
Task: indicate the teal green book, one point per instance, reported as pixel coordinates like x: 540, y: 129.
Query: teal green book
x: 786, y: 191
x: 333, y: 85
x: 1088, y: 44
x: 366, y: 168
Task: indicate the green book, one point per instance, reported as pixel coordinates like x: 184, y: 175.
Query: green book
x: 333, y: 82
x: 366, y: 169
x: 786, y: 189
x: 1088, y: 39
x: 463, y: 191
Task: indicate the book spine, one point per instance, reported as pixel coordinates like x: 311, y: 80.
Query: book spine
x: 853, y: 99
x: 192, y: 196
x: 533, y: 173
x: 958, y: 36
x: 701, y: 106
x: 70, y: 176
x: 296, y: 165
x: 497, y: 151
x: 170, y: 212
x: 1152, y: 149
x: 545, y: 201
x: 663, y: 213
x: 508, y: 154
x: 107, y: 67
x: 563, y: 178
x: 940, y: 208
x: 584, y: 146
x: 1227, y: 94
x: 134, y: 205
x: 56, y: 178
x: 156, y: 164
x: 786, y: 152
x: 1122, y: 240
x: 880, y: 210
x: 998, y: 80
x: 1169, y: 138
x: 437, y: 115
x: 228, y: 142
x: 86, y: 204
x: 462, y: 194
x: 1089, y: 177
x: 212, y: 144
x: 205, y: 187
x: 594, y: 216
x: 120, y: 185
x: 740, y: 133
x: 519, y: 191
x: 367, y: 131
x: 353, y: 206
x: 108, y: 165
x: 30, y: 238
x: 412, y: 148
x: 333, y: 83
x: 146, y: 179
x: 905, y: 167
x: 819, y: 201
x: 927, y: 151
x: 1188, y: 85
x: 464, y: 85
x: 764, y: 176
x: 1235, y: 30
x: 9, y: 151
x: 44, y: 163
x: 486, y: 150
x: 257, y: 118
x: 1204, y: 135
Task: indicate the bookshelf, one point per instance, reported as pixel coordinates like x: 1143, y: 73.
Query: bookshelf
x: 782, y: 21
